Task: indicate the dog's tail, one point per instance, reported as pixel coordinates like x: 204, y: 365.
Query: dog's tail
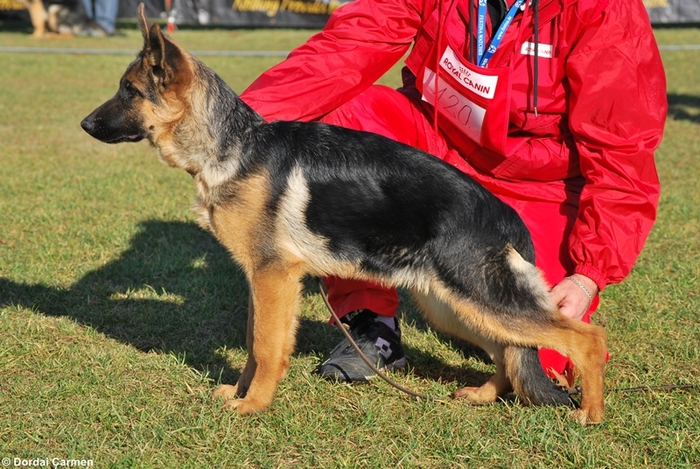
x: 529, y: 380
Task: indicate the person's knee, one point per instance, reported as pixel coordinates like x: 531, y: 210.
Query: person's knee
x: 378, y: 109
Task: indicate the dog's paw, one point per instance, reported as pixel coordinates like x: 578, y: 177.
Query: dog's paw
x: 225, y: 392
x: 233, y: 400
x: 586, y: 418
x: 475, y: 395
x: 245, y: 406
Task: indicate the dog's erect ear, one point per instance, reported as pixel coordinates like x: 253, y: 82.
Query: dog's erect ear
x: 160, y: 53
x: 145, y: 24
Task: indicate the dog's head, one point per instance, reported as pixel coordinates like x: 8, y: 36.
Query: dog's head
x: 152, y: 92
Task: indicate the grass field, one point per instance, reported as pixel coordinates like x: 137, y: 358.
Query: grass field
x: 118, y: 315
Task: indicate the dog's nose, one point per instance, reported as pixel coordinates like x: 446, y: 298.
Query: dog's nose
x: 88, y: 125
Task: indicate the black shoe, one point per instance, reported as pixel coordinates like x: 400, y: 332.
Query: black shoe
x: 378, y: 342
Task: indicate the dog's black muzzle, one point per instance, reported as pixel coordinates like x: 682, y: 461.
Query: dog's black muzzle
x: 111, y: 124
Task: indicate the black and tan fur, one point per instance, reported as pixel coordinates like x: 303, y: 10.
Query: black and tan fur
x: 291, y: 199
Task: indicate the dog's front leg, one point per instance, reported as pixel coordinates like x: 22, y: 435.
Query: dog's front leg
x: 37, y: 15
x: 272, y: 323
x: 228, y: 392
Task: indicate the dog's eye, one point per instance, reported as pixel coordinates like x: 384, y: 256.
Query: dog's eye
x: 130, y: 90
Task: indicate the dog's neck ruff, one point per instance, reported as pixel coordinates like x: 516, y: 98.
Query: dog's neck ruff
x: 214, y: 155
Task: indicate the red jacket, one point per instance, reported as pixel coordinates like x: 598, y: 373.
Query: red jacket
x: 601, y: 104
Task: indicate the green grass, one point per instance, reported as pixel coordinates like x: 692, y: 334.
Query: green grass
x: 118, y: 315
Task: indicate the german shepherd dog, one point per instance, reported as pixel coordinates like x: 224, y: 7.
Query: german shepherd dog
x: 291, y: 199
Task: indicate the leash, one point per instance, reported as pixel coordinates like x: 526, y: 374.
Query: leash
x: 570, y: 391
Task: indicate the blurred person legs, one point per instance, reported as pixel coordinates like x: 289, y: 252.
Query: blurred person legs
x: 103, y: 16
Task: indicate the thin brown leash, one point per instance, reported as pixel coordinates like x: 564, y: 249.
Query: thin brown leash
x: 571, y: 391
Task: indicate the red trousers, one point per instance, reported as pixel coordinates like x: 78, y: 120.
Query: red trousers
x: 389, y: 112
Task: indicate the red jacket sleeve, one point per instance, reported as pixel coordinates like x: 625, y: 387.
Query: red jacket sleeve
x: 617, y: 112
x: 362, y: 40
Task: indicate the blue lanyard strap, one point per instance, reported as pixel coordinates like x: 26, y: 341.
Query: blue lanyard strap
x: 480, y: 30
x: 482, y: 58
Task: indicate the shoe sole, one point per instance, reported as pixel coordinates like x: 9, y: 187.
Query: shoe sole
x: 344, y: 378
x: 394, y: 366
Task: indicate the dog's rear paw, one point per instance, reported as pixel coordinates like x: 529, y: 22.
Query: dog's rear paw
x: 475, y: 395
x: 225, y: 392
x: 585, y: 417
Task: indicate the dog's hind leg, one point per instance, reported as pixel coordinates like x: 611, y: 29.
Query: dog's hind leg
x: 529, y: 380
x: 518, y: 338
x: 583, y: 343
x: 517, y: 369
x: 586, y: 346
x: 444, y: 318
x: 527, y: 318
x: 497, y: 386
x: 272, y: 323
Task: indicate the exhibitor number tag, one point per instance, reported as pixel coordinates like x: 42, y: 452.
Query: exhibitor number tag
x: 459, y: 110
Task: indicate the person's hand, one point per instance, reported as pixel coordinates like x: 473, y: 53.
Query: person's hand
x: 571, y: 298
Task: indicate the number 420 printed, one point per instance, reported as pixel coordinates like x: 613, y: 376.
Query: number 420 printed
x: 460, y: 111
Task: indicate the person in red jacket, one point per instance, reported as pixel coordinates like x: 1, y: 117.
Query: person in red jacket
x: 556, y: 106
